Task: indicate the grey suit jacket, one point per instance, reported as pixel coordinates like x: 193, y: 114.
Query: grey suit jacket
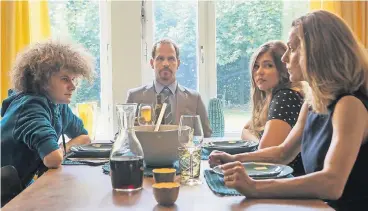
x: 188, y: 102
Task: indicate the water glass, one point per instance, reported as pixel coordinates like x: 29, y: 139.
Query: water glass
x: 185, y: 156
x: 190, y: 137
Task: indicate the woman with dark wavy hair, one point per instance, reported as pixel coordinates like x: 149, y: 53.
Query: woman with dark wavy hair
x: 332, y: 129
x: 44, y: 77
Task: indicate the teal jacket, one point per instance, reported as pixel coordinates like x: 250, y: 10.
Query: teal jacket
x: 31, y: 126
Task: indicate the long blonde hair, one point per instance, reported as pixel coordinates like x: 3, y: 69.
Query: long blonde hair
x: 332, y: 59
x: 260, y: 101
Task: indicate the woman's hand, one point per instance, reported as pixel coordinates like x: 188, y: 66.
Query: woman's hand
x: 236, y: 177
x: 219, y: 157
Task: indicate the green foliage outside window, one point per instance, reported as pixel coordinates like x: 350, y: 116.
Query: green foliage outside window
x: 79, y: 21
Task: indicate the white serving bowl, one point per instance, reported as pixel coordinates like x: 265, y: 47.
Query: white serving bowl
x: 160, y: 148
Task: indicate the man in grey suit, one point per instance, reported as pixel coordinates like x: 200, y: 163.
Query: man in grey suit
x: 181, y: 100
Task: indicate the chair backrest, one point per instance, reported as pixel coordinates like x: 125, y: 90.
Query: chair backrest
x: 11, y: 185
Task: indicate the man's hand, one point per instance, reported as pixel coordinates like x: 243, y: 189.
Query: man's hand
x: 61, y: 146
x: 53, y: 159
x: 79, y: 140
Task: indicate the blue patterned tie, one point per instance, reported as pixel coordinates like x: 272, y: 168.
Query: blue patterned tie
x: 166, y: 99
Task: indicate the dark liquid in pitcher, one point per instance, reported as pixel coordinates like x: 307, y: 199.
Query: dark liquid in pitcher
x: 126, y: 173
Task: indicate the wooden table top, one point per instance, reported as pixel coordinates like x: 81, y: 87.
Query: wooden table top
x: 87, y: 188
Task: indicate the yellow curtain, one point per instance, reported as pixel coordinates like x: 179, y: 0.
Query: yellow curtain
x: 22, y: 22
x: 355, y: 13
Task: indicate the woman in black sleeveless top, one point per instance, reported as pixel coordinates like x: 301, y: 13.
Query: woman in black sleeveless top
x: 276, y: 102
x: 332, y: 129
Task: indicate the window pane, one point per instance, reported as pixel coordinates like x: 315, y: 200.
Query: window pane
x: 241, y: 27
x: 79, y: 21
x: 178, y: 21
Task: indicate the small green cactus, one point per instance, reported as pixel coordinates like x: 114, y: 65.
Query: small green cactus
x: 216, y: 117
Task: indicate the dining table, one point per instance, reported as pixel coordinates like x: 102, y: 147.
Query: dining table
x: 81, y: 187
x: 84, y: 187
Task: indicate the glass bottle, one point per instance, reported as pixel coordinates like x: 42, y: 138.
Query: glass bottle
x: 126, y: 158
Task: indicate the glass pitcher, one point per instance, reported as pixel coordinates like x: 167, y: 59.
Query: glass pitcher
x: 126, y: 158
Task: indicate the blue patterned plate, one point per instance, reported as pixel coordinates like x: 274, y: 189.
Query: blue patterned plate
x: 232, y: 146
x: 93, y: 150
x: 93, y: 147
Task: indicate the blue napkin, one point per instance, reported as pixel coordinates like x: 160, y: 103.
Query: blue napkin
x: 147, y: 170
x: 217, y: 185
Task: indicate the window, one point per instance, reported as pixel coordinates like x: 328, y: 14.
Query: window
x: 79, y: 21
x: 178, y: 21
x: 214, y: 56
x: 241, y: 27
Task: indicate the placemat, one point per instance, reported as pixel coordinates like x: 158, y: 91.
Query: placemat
x: 205, y: 154
x: 217, y: 185
x: 66, y: 161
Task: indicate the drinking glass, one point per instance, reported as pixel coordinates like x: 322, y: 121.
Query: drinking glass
x: 87, y: 112
x: 191, y: 138
x: 145, y: 114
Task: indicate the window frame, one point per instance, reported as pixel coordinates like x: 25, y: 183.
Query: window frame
x: 105, y: 92
x: 140, y: 24
x: 106, y: 76
x: 206, y: 50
